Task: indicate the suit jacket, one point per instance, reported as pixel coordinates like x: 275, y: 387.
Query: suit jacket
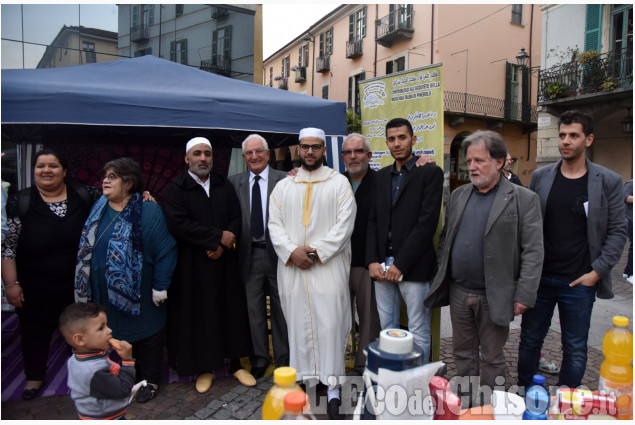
x: 413, y: 221
x: 606, y: 228
x: 241, y: 184
x: 513, y: 249
x: 364, y: 198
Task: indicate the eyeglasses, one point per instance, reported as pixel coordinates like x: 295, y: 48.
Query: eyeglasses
x: 110, y: 177
x: 305, y: 148
x: 257, y: 152
x: 356, y: 151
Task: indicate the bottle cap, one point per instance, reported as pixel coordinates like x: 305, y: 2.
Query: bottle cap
x: 539, y: 379
x: 284, y: 376
x: 396, y: 341
x: 294, y: 401
x: 620, y: 321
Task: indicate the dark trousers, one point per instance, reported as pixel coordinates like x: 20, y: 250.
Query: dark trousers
x: 362, y: 290
x: 262, y: 281
x: 148, y: 354
x: 39, y: 319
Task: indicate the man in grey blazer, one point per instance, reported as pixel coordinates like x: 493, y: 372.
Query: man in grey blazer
x: 490, y: 256
x: 584, y: 234
x: 256, y: 256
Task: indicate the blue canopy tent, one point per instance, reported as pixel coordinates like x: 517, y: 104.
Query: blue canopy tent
x: 149, y: 101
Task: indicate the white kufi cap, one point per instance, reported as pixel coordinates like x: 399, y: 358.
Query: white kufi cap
x: 312, y: 132
x: 196, y: 141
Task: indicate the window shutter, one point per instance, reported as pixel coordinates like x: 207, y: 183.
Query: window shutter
x: 329, y: 41
x: 593, y: 28
x: 151, y: 15
x: 179, y: 10
x: 364, y: 22
x: 135, y: 15
x: 215, y: 54
x: 509, y: 70
x: 388, y: 67
x: 173, y: 51
x: 322, y: 44
x: 526, y: 102
x: 325, y: 92
x: 350, y: 92
x: 300, y: 57
x: 183, y: 45
x: 227, y: 53
x: 351, y: 27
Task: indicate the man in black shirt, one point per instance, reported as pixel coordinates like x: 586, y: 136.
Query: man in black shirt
x: 584, y: 233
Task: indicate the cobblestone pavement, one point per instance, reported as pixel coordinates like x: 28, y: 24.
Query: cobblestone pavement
x: 227, y: 399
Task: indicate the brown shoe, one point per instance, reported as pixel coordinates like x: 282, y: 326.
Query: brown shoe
x: 204, y: 382
x: 245, y: 378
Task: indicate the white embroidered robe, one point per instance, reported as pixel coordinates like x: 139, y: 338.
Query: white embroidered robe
x: 315, y: 209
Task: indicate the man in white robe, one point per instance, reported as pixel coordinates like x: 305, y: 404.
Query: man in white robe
x: 311, y: 219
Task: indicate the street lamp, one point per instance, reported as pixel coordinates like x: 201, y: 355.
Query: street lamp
x: 522, y: 58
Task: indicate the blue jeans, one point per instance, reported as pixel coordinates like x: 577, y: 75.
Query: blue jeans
x: 574, y: 306
x: 419, y: 317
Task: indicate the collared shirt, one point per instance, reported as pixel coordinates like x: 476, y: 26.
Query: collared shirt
x: 398, y: 177
x: 205, y: 183
x: 264, y: 177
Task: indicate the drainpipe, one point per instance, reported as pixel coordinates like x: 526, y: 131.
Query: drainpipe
x: 531, y: 32
x: 432, y: 36
x: 375, y: 61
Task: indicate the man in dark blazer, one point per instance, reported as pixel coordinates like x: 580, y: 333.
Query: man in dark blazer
x: 490, y: 255
x: 402, y: 222
x: 257, y: 257
x: 584, y: 232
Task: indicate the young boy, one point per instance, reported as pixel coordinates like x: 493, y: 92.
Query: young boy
x: 100, y: 387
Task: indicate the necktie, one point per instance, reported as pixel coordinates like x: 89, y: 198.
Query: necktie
x: 257, y: 226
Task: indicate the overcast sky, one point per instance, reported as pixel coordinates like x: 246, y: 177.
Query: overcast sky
x: 281, y: 24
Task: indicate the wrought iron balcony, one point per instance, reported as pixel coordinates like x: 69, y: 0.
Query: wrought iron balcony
x: 480, y: 106
x: 323, y: 63
x: 219, y: 12
x: 395, y: 26
x: 604, y: 73
x: 140, y: 32
x: 300, y: 74
x: 218, y: 64
x: 354, y: 48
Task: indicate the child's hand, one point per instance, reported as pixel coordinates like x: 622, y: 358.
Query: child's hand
x: 123, y: 348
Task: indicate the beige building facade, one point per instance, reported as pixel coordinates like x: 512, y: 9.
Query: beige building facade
x: 477, y: 45
x: 78, y: 45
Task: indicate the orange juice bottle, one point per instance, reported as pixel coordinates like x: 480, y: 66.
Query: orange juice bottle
x: 283, y: 382
x: 616, y: 372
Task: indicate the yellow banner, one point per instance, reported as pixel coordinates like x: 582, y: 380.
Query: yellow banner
x: 416, y: 95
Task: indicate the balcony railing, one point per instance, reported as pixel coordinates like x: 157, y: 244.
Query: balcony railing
x: 471, y: 104
x: 141, y: 32
x: 395, y: 26
x: 323, y: 63
x: 300, y: 74
x: 607, y: 72
x: 354, y: 48
x: 218, y: 64
x: 219, y: 12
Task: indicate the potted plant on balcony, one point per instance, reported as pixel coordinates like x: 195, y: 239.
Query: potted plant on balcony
x: 555, y: 90
x: 587, y: 57
x: 282, y: 82
x: 609, y: 84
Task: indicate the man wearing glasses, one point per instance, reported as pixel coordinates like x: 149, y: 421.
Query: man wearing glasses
x: 311, y: 219
x: 257, y: 257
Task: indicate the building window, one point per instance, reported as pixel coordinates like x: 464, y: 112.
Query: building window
x: 286, y: 68
x: 304, y: 55
x: 326, y: 43
x: 143, y: 52
x: 517, y: 14
x: 357, y: 25
x: 221, y: 48
x: 396, y: 65
x: 178, y: 51
x: 353, y: 92
x: 271, y: 76
x: 142, y: 14
x: 325, y: 92
x: 179, y: 10
x: 89, y: 48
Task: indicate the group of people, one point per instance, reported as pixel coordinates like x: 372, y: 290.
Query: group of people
x: 312, y: 242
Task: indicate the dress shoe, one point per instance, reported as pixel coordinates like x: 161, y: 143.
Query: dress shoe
x: 333, y: 409
x: 245, y: 378
x: 147, y: 393
x: 258, y: 372
x: 31, y: 393
x: 204, y: 382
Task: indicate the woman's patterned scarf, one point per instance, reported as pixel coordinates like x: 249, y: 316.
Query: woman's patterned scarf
x: 125, y: 257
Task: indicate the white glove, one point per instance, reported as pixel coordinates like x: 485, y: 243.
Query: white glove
x: 159, y: 296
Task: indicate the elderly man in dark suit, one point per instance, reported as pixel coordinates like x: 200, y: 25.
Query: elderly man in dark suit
x: 585, y: 232
x: 490, y: 255
x: 401, y: 225
x: 257, y: 258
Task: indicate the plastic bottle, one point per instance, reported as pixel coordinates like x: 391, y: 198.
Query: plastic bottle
x: 616, y: 371
x: 536, y: 400
x: 294, y: 403
x: 284, y: 382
